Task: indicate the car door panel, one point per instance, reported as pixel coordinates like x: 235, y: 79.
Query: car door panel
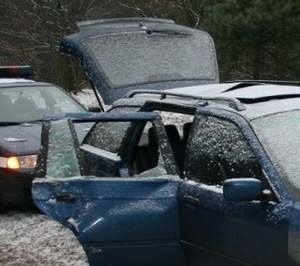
x: 222, y: 147
x: 129, y: 220
x: 244, y: 233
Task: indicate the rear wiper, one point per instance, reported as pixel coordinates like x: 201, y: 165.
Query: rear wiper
x: 163, y: 31
x: 168, y: 32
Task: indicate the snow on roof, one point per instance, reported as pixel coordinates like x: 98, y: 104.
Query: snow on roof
x: 263, y: 90
x: 238, y: 90
x: 14, y: 80
x: 203, y: 90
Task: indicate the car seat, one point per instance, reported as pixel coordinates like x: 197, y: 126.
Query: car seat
x: 26, y: 108
x: 176, y: 144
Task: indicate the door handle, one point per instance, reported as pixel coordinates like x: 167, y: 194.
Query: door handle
x: 191, y: 200
x: 66, y: 197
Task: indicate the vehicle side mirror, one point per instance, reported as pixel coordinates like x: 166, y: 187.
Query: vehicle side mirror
x: 94, y: 109
x: 242, y: 189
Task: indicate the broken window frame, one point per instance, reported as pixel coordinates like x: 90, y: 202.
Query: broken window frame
x: 126, y: 152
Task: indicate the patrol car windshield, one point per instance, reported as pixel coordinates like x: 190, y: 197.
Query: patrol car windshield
x: 279, y: 134
x: 140, y: 58
x: 21, y: 104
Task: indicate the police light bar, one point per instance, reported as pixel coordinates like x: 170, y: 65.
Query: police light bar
x: 16, y: 71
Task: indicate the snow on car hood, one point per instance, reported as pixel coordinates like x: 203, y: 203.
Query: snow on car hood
x: 20, y: 140
x: 25, y: 139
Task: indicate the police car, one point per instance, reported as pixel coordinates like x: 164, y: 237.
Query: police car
x: 23, y: 105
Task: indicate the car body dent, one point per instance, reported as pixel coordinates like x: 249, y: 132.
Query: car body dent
x: 117, y: 215
x: 114, y: 217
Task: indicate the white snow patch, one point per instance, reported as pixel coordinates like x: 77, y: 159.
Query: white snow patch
x: 86, y: 97
x: 73, y: 222
x: 34, y: 239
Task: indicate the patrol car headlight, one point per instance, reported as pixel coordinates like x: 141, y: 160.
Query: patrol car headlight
x: 19, y: 162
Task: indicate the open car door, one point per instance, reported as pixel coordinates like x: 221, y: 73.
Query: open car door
x: 119, y: 220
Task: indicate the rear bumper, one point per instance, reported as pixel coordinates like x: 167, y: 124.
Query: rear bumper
x: 15, y: 189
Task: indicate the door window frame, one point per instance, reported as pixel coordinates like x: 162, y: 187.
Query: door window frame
x: 132, y: 139
x: 243, y: 124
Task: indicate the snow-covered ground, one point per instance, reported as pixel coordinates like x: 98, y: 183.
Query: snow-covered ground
x: 34, y: 239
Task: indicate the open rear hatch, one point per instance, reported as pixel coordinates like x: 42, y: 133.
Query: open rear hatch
x: 119, y: 55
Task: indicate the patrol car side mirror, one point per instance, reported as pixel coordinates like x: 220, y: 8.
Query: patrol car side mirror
x: 242, y: 189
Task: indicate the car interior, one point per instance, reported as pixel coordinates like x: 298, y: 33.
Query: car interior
x: 6, y: 108
x: 147, y: 155
x: 100, y: 146
x: 26, y: 107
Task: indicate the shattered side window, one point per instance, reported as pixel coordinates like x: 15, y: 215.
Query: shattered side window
x: 148, y: 159
x: 62, y: 156
x: 182, y: 121
x: 108, y: 135
x: 217, y: 150
x: 177, y: 126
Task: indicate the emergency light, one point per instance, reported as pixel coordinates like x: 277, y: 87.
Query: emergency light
x: 16, y: 71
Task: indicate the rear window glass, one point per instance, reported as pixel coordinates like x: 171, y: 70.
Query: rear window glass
x: 136, y: 58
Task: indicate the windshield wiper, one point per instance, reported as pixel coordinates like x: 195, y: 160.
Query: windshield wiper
x: 163, y: 31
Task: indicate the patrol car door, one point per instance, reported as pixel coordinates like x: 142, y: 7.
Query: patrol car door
x: 216, y: 231
x: 118, y: 220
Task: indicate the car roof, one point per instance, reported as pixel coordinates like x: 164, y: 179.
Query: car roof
x: 245, y: 92
x: 251, y: 99
x: 20, y: 82
x: 14, y: 80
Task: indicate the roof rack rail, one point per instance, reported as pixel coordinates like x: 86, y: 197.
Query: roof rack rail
x: 261, y: 81
x: 117, y: 20
x: 232, y: 102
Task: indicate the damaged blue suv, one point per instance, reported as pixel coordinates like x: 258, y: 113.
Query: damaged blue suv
x: 233, y: 200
